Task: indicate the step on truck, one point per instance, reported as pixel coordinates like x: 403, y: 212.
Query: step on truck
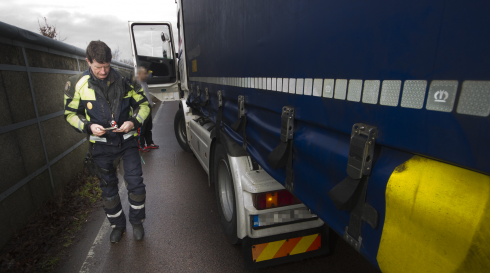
x: 365, y: 119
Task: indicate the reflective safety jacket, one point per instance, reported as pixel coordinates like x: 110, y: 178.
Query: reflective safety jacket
x: 86, y: 103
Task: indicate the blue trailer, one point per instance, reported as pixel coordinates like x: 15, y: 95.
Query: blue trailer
x: 373, y: 114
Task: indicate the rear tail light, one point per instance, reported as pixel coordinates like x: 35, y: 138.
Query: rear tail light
x: 274, y: 199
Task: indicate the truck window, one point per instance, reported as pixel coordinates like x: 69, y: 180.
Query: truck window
x: 154, y: 51
x: 153, y: 41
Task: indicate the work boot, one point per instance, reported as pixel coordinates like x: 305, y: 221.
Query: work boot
x: 138, y: 232
x: 117, y: 234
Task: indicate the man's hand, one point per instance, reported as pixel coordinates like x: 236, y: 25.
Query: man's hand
x: 126, y: 127
x: 97, y: 129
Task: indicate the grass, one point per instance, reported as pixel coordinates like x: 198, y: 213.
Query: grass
x: 41, y: 245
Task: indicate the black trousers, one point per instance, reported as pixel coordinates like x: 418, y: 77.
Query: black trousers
x: 108, y: 157
x: 145, y: 136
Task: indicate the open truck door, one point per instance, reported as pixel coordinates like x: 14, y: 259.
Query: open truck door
x: 153, y: 48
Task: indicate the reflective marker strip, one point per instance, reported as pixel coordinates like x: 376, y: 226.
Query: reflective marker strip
x: 371, y: 92
x: 475, y: 98
x: 114, y: 215
x: 340, y: 89
x: 355, y: 90
x: 442, y: 94
x: 390, y: 93
x: 437, y: 219
x: 277, y: 249
x: 138, y: 207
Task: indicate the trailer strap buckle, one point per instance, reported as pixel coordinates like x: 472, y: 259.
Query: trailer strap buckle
x: 241, y: 122
x: 206, y: 98
x: 350, y: 194
x: 359, y: 163
x: 282, y: 155
x: 219, y: 117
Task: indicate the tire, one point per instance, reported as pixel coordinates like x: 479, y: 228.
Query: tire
x: 180, y: 131
x: 225, y: 193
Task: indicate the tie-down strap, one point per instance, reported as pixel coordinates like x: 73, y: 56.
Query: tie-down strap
x: 350, y: 194
x: 282, y: 155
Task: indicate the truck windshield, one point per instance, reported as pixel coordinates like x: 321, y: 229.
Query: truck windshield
x: 153, y: 41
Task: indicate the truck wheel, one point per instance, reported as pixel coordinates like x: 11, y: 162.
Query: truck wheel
x: 225, y: 193
x: 180, y: 131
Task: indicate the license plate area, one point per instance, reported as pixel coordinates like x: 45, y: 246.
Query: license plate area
x: 279, y: 218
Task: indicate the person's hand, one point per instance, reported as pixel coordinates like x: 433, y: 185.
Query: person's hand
x: 97, y: 129
x: 126, y: 127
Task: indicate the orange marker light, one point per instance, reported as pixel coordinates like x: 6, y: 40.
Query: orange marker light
x: 266, y: 200
x: 271, y: 200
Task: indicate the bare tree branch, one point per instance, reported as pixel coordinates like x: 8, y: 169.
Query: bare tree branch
x: 49, y: 30
x: 116, y: 54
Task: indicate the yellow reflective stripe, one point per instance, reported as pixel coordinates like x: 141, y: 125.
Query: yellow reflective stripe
x: 270, y: 250
x: 87, y: 115
x: 144, y: 108
x: 140, y: 119
x: 74, y: 103
x: 83, y: 81
x: 303, y: 244
x: 437, y: 219
x: 73, y: 120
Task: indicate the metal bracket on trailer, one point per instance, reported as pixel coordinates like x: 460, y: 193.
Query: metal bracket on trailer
x: 241, y: 106
x: 206, y: 94
x: 361, y: 150
x: 287, y: 123
x: 198, y: 92
x: 356, y: 244
x: 220, y: 99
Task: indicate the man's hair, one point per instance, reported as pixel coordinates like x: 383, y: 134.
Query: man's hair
x: 99, y: 51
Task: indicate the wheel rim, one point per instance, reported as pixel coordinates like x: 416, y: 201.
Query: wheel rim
x: 225, y: 183
x: 182, y: 132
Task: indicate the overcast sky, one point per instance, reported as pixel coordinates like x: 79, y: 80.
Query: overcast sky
x: 83, y: 21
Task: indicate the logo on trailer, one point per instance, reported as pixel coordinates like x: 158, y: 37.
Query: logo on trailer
x: 328, y: 88
x: 441, y: 96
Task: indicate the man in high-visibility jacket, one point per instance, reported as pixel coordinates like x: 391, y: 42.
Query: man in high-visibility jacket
x: 107, y: 106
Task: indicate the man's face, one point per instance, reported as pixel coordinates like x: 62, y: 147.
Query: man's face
x: 100, y: 70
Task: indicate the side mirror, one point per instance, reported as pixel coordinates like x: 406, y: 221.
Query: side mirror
x: 163, y: 37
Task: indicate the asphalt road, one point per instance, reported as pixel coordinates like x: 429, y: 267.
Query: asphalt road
x: 183, y: 229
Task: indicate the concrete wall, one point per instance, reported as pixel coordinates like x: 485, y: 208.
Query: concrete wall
x: 40, y: 152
